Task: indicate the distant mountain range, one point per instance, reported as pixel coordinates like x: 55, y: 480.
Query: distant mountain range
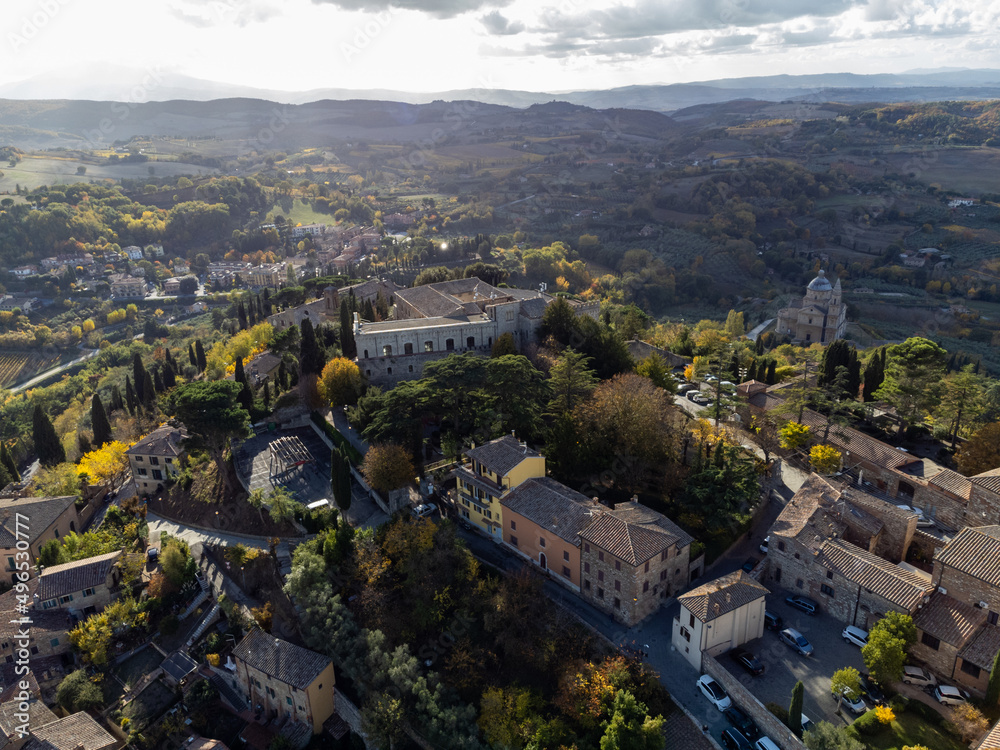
x: 118, y: 83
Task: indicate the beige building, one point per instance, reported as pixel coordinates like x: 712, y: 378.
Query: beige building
x: 35, y: 520
x: 491, y: 471
x: 156, y: 457
x: 124, y: 285
x: 821, y: 316
x: 719, y: 616
x: 82, y: 587
x: 281, y: 680
x: 269, y: 274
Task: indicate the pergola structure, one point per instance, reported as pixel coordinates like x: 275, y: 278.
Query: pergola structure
x: 286, y: 453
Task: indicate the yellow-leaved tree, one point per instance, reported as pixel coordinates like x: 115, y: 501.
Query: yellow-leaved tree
x: 106, y: 464
x: 825, y: 459
x: 340, y: 381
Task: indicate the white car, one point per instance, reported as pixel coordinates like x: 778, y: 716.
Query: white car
x: 855, y: 703
x: 950, y: 696
x: 765, y: 743
x: 424, y: 510
x: 714, y: 692
x: 765, y: 543
x: 807, y: 724
x: 854, y: 635
x: 918, y: 676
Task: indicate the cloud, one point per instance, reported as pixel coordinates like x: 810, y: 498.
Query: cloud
x: 434, y: 8
x: 238, y: 12
x: 496, y: 23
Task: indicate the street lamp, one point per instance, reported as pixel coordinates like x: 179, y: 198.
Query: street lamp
x: 243, y: 574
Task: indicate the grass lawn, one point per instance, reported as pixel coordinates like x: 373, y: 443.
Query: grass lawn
x: 302, y: 213
x: 910, y: 729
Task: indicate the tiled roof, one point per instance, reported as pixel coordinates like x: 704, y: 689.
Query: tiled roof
x: 38, y: 715
x: 983, y: 648
x: 975, y: 551
x: 75, y: 730
x: 805, y: 517
x: 989, y: 480
x: 45, y: 623
x: 861, y: 446
x: 634, y: 533
x: 40, y: 512
x: 953, y: 482
x: 992, y: 739
x: 952, y: 621
x: 429, y: 302
x: 280, y: 659
x: 552, y: 506
x: 78, y: 575
x: 879, y: 576
x: 722, y: 595
x: 501, y: 455
x: 165, y: 440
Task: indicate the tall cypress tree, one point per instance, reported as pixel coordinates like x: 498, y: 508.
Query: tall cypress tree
x: 874, y: 373
x: 117, y: 404
x: 5, y: 477
x: 282, y: 380
x: 99, y: 421
x: 130, y: 398
x: 267, y: 395
x: 8, y: 461
x: 148, y: 392
x: 245, y: 396
x: 310, y: 357
x: 241, y: 313
x: 795, y: 709
x: 199, y: 352
x: 157, y: 381
x: 139, y: 377
x: 347, y: 342
x: 191, y: 355
x: 47, y: 446
x: 772, y: 376
x: 169, y: 376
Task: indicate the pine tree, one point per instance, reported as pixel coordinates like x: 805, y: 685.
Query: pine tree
x: 139, y: 378
x: 148, y: 392
x: 130, y: 398
x: 7, y: 459
x: 99, y: 422
x: 48, y: 448
x: 347, y: 342
x: 199, y: 351
x: 311, y: 359
x: 191, y: 355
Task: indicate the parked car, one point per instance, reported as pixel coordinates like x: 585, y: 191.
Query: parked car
x: 807, y: 724
x: 950, y: 696
x: 685, y: 387
x: 772, y: 621
x: 748, y: 661
x: 913, y: 675
x: 714, y: 692
x: 765, y: 743
x: 854, y: 635
x: 741, y: 721
x: 796, y: 640
x: 803, y: 603
x: 750, y: 564
x: 764, y: 544
x: 701, y: 399
x: 692, y: 395
x: 424, y: 510
x: 854, y: 702
x: 871, y: 690
x: 733, y: 739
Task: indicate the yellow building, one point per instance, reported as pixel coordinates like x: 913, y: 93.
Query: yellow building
x: 491, y: 471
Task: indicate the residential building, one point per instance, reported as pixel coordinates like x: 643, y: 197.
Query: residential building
x: 12, y: 725
x: 157, y: 456
x: 284, y: 681
x: 126, y: 285
x: 154, y: 251
x: 270, y: 275
x: 77, y: 731
x: 133, y: 252
x: 11, y: 302
x: 173, y: 285
x: 82, y: 587
x: 491, y: 471
x: 719, y: 616
x: 227, y: 273
x: 35, y: 520
x: 313, y: 230
x: 23, y: 272
x: 48, y: 635
x: 820, y: 317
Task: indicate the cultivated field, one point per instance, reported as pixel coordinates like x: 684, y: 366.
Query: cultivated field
x: 35, y: 171
x: 16, y: 366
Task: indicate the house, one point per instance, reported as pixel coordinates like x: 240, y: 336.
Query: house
x: 23, y: 272
x: 10, y: 302
x: 77, y: 731
x: 821, y: 316
x: 269, y: 275
x: 19, y: 715
x: 126, y: 285
x: 47, y: 635
x: 313, y: 230
x: 154, y: 251
x: 181, y: 267
x: 491, y: 472
x: 82, y: 587
x: 133, y: 252
x: 35, y: 520
x: 174, y: 285
x: 719, y: 616
x: 157, y: 456
x: 284, y: 681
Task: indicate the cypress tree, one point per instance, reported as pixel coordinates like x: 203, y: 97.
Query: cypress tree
x: 116, y: 399
x: 191, y: 356
x: 772, y: 367
x: 83, y: 443
x: 267, y: 395
x: 241, y: 313
x: 758, y: 346
x: 99, y: 422
x: 993, y: 686
x: 347, y: 342
x: 131, y: 399
x: 282, y: 377
x: 310, y: 357
x: 47, y: 446
x: 5, y: 477
x: 795, y: 709
x: 245, y: 396
x: 340, y: 478
x: 157, y: 381
x: 8, y: 462
x: 148, y: 392
x: 169, y: 376
x: 199, y: 352
x: 874, y: 373
x: 139, y: 378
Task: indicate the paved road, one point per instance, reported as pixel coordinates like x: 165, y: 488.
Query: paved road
x: 55, y: 370
x: 192, y: 535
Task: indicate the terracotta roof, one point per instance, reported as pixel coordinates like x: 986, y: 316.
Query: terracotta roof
x: 42, y: 512
x: 78, y: 575
x: 553, y: 506
x: 989, y: 480
x: 74, y: 731
x: 879, y: 576
x: 501, y: 455
x: 46, y: 624
x: 952, y: 621
x: 975, y: 551
x: 861, y: 446
x: 634, y: 533
x: 38, y: 715
x: 992, y: 739
x: 165, y: 440
x: 806, y: 518
x: 280, y: 659
x: 952, y: 482
x: 722, y: 596
x: 983, y: 648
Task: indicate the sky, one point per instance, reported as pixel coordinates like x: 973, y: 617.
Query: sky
x: 439, y: 45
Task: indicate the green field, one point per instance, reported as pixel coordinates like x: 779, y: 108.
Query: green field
x: 302, y: 213
x: 910, y: 730
x: 32, y: 172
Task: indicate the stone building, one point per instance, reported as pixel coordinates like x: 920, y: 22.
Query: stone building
x: 129, y: 287
x: 157, y: 457
x: 36, y: 520
x: 81, y: 587
x: 821, y: 316
x: 327, y: 308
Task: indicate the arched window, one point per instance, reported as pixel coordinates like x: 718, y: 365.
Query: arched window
x: 366, y: 354
x: 470, y: 342
x: 428, y: 346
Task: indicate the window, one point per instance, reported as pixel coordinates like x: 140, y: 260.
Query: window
x: 66, y: 599
x: 586, y: 567
x: 686, y: 634
x: 138, y: 459
x: 170, y: 460
x: 586, y: 585
x: 513, y: 525
x: 618, y: 564
x: 781, y: 546
x: 646, y: 569
x: 34, y: 650
x: 387, y: 350
x: 645, y: 586
x: 88, y: 592
x: 663, y: 555
x: 541, y: 541
x: 470, y: 343
x: 798, y: 583
x: 600, y: 593
x: 600, y: 575
x: 428, y: 346
x: 971, y: 669
x: 663, y: 575
x: 566, y: 571
x: 691, y: 621
x: 618, y: 585
x: 796, y: 555
x: 565, y: 555
x: 449, y: 345
x: 826, y: 590
x: 930, y: 641
x: 992, y: 618
x: 49, y: 604
x: 777, y: 575
x: 154, y: 461
x: 586, y: 548
x: 143, y: 472
x: 288, y: 700
x: 54, y: 642
x: 411, y: 368
x: 366, y: 354
x: 157, y: 474
x: 388, y: 371
x: 618, y: 603
x: 513, y: 541
x: 600, y: 555
x: 407, y: 348
x: 829, y: 574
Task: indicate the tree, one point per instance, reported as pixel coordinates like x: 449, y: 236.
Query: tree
x: 192, y: 358
x: 825, y: 736
x: 387, y: 467
x: 509, y: 716
x: 131, y: 400
x: 735, y: 327
x: 281, y: 506
x: 981, y: 452
x: 825, y: 459
x: 8, y: 462
x: 631, y: 727
x: 99, y: 422
x: 795, y: 709
x: 383, y: 719
x: 148, y: 392
x: 793, y: 435
x: 846, y: 681
x: 969, y: 721
x: 347, y: 342
x: 962, y: 400
x: 139, y: 378
x: 48, y: 448
x: 654, y: 368
x: 311, y: 358
x: 175, y: 563
x: 993, y: 686
x: 340, y: 479
x: 245, y: 396
x: 77, y: 693
x: 571, y: 381
x: 885, y: 653
x: 210, y: 411
x: 199, y: 352
x: 340, y: 383
x: 912, y: 384
x: 504, y: 345
x: 106, y: 464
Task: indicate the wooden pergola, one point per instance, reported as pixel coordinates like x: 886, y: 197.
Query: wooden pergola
x: 287, y: 453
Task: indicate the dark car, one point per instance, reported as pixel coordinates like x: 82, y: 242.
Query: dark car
x: 739, y: 719
x: 748, y: 661
x: 773, y: 621
x: 732, y: 739
x: 803, y: 603
x: 871, y: 690
x: 750, y: 564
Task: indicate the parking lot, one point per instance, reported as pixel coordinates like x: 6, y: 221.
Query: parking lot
x: 784, y: 666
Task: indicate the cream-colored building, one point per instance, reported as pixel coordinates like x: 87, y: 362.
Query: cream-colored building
x: 156, y: 457
x: 124, y: 285
x: 719, y: 616
x: 821, y: 316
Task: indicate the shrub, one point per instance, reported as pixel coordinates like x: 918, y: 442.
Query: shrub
x: 884, y: 714
x: 925, y: 712
x: 899, y: 703
x: 868, y: 724
x: 780, y: 711
x: 213, y: 659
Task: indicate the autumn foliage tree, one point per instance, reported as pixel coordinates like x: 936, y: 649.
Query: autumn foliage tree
x: 825, y: 459
x: 340, y: 381
x: 387, y: 467
x: 105, y: 464
x: 981, y: 452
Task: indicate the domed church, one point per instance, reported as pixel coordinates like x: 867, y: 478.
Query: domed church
x: 820, y: 317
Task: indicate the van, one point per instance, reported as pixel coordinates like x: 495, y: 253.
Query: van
x: 773, y: 621
x: 854, y: 635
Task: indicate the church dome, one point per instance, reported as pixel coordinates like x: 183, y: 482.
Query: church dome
x: 820, y: 283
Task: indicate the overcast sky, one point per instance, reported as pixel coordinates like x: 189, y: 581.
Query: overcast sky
x: 538, y: 45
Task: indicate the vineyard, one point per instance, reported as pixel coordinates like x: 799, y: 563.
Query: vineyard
x: 18, y: 366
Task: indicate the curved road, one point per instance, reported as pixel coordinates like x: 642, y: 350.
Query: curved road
x: 54, y: 371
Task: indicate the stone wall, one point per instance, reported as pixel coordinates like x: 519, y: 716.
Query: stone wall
x: 966, y: 588
x: 925, y: 544
x: 984, y: 507
x: 898, y: 526
x: 769, y: 723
